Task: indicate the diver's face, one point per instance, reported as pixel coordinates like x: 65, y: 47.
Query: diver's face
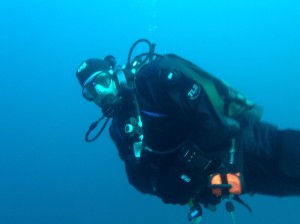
x: 99, y: 85
x: 104, y: 91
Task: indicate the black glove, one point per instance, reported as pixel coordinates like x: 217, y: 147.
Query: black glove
x: 178, y: 184
x: 207, y: 198
x: 111, y: 105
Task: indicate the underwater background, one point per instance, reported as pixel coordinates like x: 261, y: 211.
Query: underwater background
x: 49, y: 174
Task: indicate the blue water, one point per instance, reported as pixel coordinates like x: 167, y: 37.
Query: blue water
x: 48, y: 174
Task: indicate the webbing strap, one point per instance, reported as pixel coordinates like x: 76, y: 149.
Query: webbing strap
x: 225, y: 191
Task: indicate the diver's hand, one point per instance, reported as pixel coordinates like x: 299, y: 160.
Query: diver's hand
x: 111, y: 106
x: 178, y: 184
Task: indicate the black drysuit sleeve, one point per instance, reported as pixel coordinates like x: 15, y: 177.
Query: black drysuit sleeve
x: 139, y: 175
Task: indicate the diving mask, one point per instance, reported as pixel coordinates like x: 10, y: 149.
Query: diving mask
x: 97, y: 83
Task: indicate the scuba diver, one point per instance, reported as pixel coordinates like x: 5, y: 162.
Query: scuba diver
x: 186, y: 136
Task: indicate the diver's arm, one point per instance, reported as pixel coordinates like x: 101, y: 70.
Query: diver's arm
x: 139, y: 174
